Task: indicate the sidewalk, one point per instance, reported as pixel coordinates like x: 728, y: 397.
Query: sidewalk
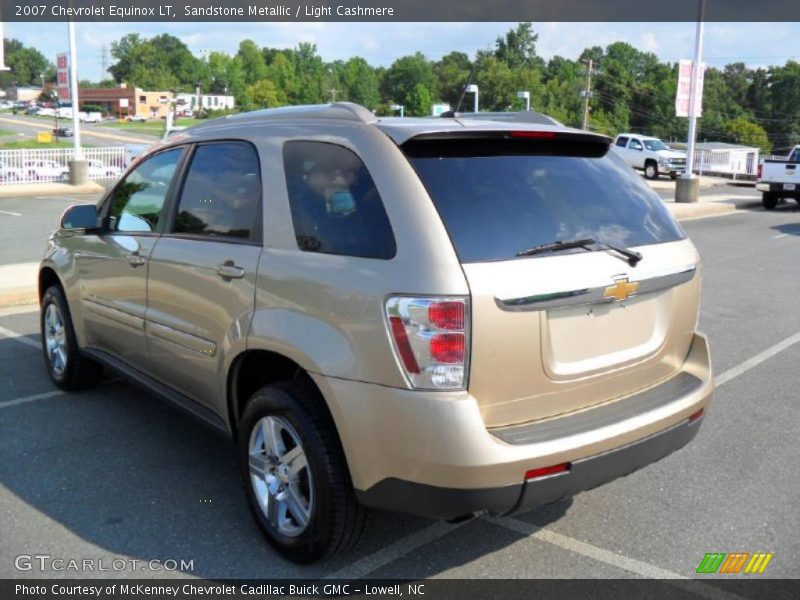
x: 49, y: 189
x: 705, y: 182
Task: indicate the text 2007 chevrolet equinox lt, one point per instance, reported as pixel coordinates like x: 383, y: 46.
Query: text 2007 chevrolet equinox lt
x: 444, y: 317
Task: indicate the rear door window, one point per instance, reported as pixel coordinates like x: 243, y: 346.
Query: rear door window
x: 622, y: 141
x: 495, y: 203
x: 336, y: 207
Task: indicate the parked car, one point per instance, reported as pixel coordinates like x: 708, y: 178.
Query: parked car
x: 779, y: 179
x: 96, y: 169
x: 91, y: 117
x: 8, y: 173
x: 414, y: 316
x: 63, y: 131
x: 136, y: 118
x: 650, y: 155
x: 45, y: 169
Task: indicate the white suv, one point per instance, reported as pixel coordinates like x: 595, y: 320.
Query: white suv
x: 650, y: 155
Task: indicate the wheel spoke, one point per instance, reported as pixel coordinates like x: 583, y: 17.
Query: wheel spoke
x: 271, y: 432
x: 297, y: 504
x: 295, y: 459
x: 273, y: 510
x: 259, y: 464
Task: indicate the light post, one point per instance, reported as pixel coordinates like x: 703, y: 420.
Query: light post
x: 197, y: 92
x: 687, y: 186
x: 399, y: 107
x: 473, y: 89
x: 55, y: 112
x: 527, y: 97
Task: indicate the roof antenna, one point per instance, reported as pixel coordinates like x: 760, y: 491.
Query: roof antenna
x: 450, y: 114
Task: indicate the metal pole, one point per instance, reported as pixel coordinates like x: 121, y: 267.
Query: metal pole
x: 528, y: 103
x: 73, y: 92
x: 586, y: 93
x: 693, y: 99
x: 475, y: 104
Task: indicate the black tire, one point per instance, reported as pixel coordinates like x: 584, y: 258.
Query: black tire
x: 769, y: 200
x: 80, y: 372
x: 673, y: 176
x: 651, y: 169
x: 336, y: 517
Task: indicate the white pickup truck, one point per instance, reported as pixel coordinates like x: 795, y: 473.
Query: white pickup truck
x: 650, y: 155
x: 779, y: 178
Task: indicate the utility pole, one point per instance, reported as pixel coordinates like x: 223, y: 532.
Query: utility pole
x: 587, y: 93
x: 103, y: 61
x: 77, y: 166
x: 333, y: 93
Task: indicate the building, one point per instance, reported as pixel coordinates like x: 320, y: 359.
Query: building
x: 207, y: 102
x: 721, y: 158
x: 127, y: 101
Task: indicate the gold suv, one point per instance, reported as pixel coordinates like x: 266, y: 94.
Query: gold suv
x: 445, y: 317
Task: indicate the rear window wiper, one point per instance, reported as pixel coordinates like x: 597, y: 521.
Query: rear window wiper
x: 632, y: 256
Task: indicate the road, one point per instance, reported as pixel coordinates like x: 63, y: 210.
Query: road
x: 91, y: 133
x: 113, y: 472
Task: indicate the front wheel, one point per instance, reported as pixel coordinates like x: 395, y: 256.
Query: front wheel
x: 673, y: 176
x: 67, y: 368
x: 651, y: 170
x: 769, y: 200
x: 295, y: 474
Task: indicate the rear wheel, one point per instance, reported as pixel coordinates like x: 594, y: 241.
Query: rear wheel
x: 295, y: 474
x: 67, y: 368
x: 769, y: 200
x: 651, y: 169
x: 673, y: 176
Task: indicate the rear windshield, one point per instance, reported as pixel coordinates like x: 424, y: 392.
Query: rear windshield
x: 495, y: 204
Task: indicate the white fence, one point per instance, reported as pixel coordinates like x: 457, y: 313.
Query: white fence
x: 52, y: 164
x: 734, y: 163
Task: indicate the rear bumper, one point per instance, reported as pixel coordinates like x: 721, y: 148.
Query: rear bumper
x: 584, y: 474
x: 430, y: 453
x: 778, y: 188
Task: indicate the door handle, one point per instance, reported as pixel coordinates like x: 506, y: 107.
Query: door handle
x: 228, y: 270
x: 135, y: 260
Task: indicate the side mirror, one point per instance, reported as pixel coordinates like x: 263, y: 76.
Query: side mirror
x: 80, y: 216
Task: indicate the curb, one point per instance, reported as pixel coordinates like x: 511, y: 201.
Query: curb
x: 19, y: 296
x: 685, y: 212
x: 49, y: 189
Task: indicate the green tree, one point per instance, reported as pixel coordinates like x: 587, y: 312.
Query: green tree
x: 418, y: 102
x: 26, y: 65
x: 517, y: 48
x: 360, y: 82
x: 254, y: 67
x: 742, y: 131
x: 262, y: 94
x: 452, y: 72
x: 403, y: 77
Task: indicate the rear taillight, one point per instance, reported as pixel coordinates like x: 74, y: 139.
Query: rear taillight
x: 431, y: 340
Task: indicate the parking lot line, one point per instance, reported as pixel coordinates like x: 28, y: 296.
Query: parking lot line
x: 8, y: 212
x: 756, y: 360
x: 19, y: 337
x: 392, y: 552
x: 34, y: 398
x: 613, y: 559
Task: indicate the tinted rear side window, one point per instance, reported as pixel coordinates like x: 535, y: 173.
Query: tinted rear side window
x: 622, y: 142
x: 221, y: 195
x: 336, y: 208
x: 494, y: 206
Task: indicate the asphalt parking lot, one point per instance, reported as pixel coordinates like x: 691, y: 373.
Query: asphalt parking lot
x: 113, y: 472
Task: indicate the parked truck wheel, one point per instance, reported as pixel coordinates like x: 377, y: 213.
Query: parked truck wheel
x: 769, y: 200
x: 651, y: 169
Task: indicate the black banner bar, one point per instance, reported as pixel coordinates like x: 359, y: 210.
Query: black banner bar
x: 732, y: 588
x: 399, y: 10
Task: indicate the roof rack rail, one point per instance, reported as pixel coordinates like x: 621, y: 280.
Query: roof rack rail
x: 525, y: 116
x: 345, y: 111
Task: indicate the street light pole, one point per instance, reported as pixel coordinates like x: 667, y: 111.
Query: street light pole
x: 77, y: 166
x: 587, y: 93
x: 473, y: 89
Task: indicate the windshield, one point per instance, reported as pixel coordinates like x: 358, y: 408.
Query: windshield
x: 494, y: 205
x: 655, y: 145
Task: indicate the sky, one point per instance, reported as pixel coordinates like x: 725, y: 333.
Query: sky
x: 756, y: 44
